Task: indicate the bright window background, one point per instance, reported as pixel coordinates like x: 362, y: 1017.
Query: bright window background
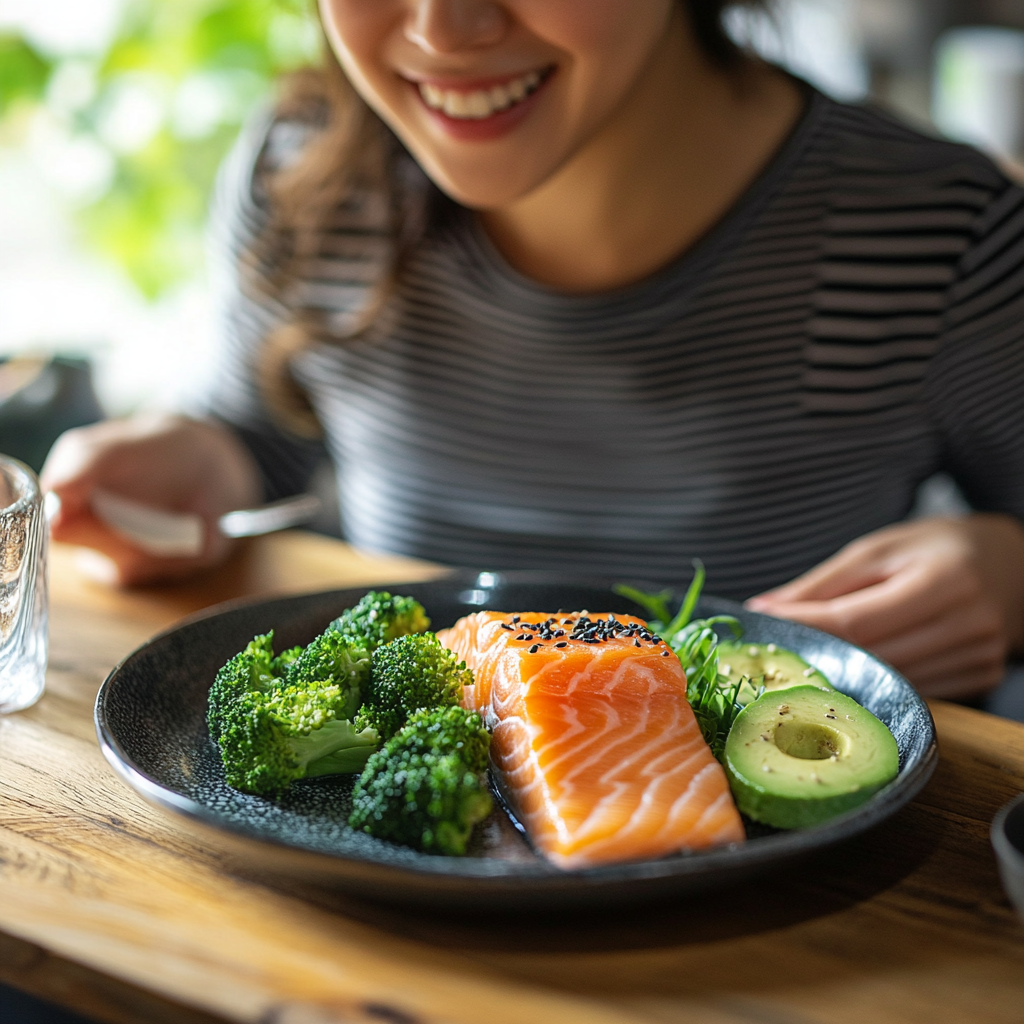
x: 114, y: 115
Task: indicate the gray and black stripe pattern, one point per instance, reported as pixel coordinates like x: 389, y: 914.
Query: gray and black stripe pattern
x: 855, y: 324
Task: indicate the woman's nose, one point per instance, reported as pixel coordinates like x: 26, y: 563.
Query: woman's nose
x: 447, y: 26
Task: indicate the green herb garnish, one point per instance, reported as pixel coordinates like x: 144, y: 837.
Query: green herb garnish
x: 715, y: 700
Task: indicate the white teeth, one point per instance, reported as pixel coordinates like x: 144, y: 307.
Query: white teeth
x: 456, y: 104
x: 499, y: 97
x: 480, y: 103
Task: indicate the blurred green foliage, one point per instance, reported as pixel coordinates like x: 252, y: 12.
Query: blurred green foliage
x: 23, y: 72
x: 157, y: 111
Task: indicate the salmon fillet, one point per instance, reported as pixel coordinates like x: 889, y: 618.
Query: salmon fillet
x: 594, y: 744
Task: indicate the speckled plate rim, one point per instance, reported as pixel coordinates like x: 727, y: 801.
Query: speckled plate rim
x: 755, y: 853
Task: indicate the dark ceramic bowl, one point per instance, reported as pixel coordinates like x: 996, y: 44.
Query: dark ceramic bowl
x: 1008, y: 841
x: 150, y: 717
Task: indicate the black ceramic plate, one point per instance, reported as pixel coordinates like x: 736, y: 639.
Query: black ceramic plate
x: 150, y: 717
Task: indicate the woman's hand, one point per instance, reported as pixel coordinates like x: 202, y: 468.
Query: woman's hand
x: 942, y: 600
x: 167, y: 462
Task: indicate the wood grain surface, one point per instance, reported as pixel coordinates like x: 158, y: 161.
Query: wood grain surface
x: 106, y: 906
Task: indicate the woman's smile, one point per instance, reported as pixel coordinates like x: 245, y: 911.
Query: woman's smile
x: 481, y: 108
x: 493, y: 99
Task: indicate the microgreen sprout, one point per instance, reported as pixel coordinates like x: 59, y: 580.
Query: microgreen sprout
x: 716, y: 701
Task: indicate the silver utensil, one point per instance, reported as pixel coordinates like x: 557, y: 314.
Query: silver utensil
x: 277, y: 515
x: 175, y: 534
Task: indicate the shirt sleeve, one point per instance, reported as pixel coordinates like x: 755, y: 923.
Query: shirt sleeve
x: 244, y: 319
x: 975, y: 388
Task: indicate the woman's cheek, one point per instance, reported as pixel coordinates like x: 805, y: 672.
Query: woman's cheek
x: 358, y: 32
x: 592, y: 26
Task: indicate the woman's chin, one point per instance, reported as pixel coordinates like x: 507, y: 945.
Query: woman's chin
x: 493, y: 186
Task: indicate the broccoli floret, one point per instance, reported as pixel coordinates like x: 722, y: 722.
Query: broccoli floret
x: 270, y: 740
x: 410, y: 673
x: 251, y: 670
x: 286, y: 718
x: 379, y: 618
x: 285, y: 659
x: 427, y: 788
x: 333, y: 659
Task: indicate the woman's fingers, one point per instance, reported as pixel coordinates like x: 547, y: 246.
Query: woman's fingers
x: 857, y: 566
x: 115, y: 559
x: 166, y: 462
x: 984, y: 654
x: 917, y: 572
x: 941, y: 600
x: 875, y: 613
x: 961, y: 685
x: 946, y: 639
x: 964, y: 642
x: 69, y: 472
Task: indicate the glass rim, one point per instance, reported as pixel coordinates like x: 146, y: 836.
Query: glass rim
x: 24, y: 480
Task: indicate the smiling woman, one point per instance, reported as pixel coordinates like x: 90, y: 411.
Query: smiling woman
x: 581, y: 143
x: 578, y: 284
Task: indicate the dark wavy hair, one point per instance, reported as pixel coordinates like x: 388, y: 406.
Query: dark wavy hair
x: 351, y: 150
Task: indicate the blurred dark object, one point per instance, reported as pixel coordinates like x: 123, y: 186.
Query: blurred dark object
x: 17, y: 1007
x: 1008, y: 841
x: 40, y: 398
x: 1007, y: 699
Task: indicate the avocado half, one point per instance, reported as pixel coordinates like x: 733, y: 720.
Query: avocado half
x: 800, y: 756
x: 775, y: 667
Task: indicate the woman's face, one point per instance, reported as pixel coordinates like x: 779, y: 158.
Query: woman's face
x: 492, y: 98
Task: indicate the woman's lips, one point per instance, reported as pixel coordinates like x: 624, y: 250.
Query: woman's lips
x: 482, y: 109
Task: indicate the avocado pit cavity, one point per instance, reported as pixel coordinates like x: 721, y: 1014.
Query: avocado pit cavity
x: 809, y: 741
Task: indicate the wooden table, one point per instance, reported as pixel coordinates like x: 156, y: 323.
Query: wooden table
x: 108, y: 907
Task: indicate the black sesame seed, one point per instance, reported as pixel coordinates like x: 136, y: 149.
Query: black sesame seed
x: 516, y: 618
x: 664, y: 654
x: 636, y: 643
x: 535, y: 648
x: 562, y: 643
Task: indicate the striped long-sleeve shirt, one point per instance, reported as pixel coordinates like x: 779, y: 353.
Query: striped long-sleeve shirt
x: 853, y: 325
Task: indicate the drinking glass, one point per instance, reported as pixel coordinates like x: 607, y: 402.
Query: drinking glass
x: 23, y: 613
